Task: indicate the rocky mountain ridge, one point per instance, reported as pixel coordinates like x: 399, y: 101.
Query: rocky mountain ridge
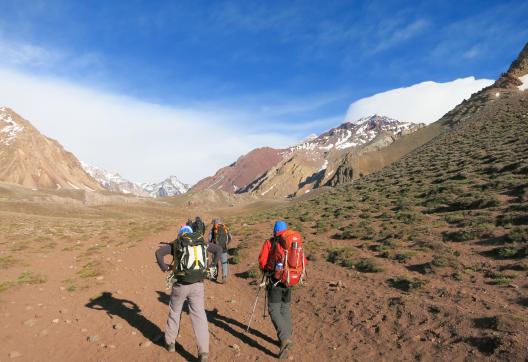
x: 113, y: 181
x: 33, y: 160
x: 312, y: 163
x: 171, y: 186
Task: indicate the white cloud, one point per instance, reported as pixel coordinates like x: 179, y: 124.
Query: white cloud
x: 423, y: 102
x: 16, y: 53
x: 142, y: 141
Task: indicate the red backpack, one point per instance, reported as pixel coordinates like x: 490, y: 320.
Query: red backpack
x: 287, y: 249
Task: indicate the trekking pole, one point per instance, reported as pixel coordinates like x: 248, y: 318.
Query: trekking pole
x: 255, y: 304
x: 265, y: 305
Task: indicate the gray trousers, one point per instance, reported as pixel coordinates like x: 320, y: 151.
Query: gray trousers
x: 194, y: 295
x: 279, y: 300
x: 224, y: 257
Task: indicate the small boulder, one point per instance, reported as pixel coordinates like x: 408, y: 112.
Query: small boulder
x: 145, y: 344
x: 14, y: 354
x: 93, y: 338
x: 30, y: 322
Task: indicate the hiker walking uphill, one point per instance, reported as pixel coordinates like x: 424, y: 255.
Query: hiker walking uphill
x: 188, y: 272
x: 198, y: 225
x: 282, y: 261
x: 221, y: 236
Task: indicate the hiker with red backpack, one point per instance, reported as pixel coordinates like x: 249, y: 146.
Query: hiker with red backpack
x: 282, y: 261
x: 221, y: 236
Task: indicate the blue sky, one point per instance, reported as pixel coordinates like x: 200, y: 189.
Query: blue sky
x: 286, y: 66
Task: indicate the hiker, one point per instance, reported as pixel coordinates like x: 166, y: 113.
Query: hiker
x: 282, y: 261
x: 190, y: 264
x: 221, y: 236
x: 198, y: 225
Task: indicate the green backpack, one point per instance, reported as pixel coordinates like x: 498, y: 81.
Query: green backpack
x: 190, y: 258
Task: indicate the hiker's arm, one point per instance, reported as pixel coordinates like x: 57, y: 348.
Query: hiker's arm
x: 229, y: 237
x: 263, y: 256
x: 160, y: 254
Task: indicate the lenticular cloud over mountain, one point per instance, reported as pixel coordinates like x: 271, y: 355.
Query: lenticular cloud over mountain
x: 424, y: 102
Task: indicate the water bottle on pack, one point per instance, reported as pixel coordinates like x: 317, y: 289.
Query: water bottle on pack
x: 279, y: 269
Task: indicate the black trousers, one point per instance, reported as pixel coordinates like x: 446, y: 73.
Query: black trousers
x: 279, y: 299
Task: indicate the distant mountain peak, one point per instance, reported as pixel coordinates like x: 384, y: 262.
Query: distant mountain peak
x: 113, y: 181
x: 171, y: 186
x: 357, y: 133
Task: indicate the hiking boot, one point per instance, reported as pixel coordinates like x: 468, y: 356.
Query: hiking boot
x: 285, y: 349
x: 170, y: 347
x: 203, y: 357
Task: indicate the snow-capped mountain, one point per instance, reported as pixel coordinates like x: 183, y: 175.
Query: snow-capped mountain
x: 169, y: 187
x: 30, y: 159
x: 313, y: 162
x: 112, y: 181
x: 357, y: 133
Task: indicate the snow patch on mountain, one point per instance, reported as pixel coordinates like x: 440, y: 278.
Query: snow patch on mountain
x: 112, y: 181
x: 357, y: 133
x: 12, y: 128
x: 168, y: 187
x: 524, y: 80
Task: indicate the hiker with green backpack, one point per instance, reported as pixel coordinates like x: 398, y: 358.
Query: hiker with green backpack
x: 221, y: 236
x: 283, y: 263
x: 187, y: 273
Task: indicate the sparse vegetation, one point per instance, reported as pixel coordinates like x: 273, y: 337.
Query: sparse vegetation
x: 91, y: 270
x: 31, y: 278
x: 406, y: 284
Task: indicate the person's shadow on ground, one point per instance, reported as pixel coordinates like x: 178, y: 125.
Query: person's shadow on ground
x: 130, y: 312
x: 227, y: 325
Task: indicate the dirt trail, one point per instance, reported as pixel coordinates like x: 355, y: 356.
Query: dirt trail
x: 44, y: 322
x: 359, y: 320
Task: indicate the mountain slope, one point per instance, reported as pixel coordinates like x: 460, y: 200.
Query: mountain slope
x: 246, y: 169
x: 438, y: 240
x: 311, y: 163
x: 32, y: 160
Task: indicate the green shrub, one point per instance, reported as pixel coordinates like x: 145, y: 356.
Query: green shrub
x: 367, y: 266
x: 406, y: 284
x: 458, y: 236
x: 519, y: 234
x: 91, y: 270
x: 500, y: 278
x: 340, y: 255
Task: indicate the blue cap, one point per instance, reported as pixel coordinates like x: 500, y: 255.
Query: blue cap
x: 185, y: 229
x: 279, y: 226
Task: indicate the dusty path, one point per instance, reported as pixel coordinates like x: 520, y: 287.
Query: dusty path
x: 122, y: 315
x: 128, y: 312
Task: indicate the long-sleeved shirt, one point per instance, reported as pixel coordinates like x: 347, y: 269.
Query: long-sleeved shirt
x: 165, y: 250
x: 263, y: 259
